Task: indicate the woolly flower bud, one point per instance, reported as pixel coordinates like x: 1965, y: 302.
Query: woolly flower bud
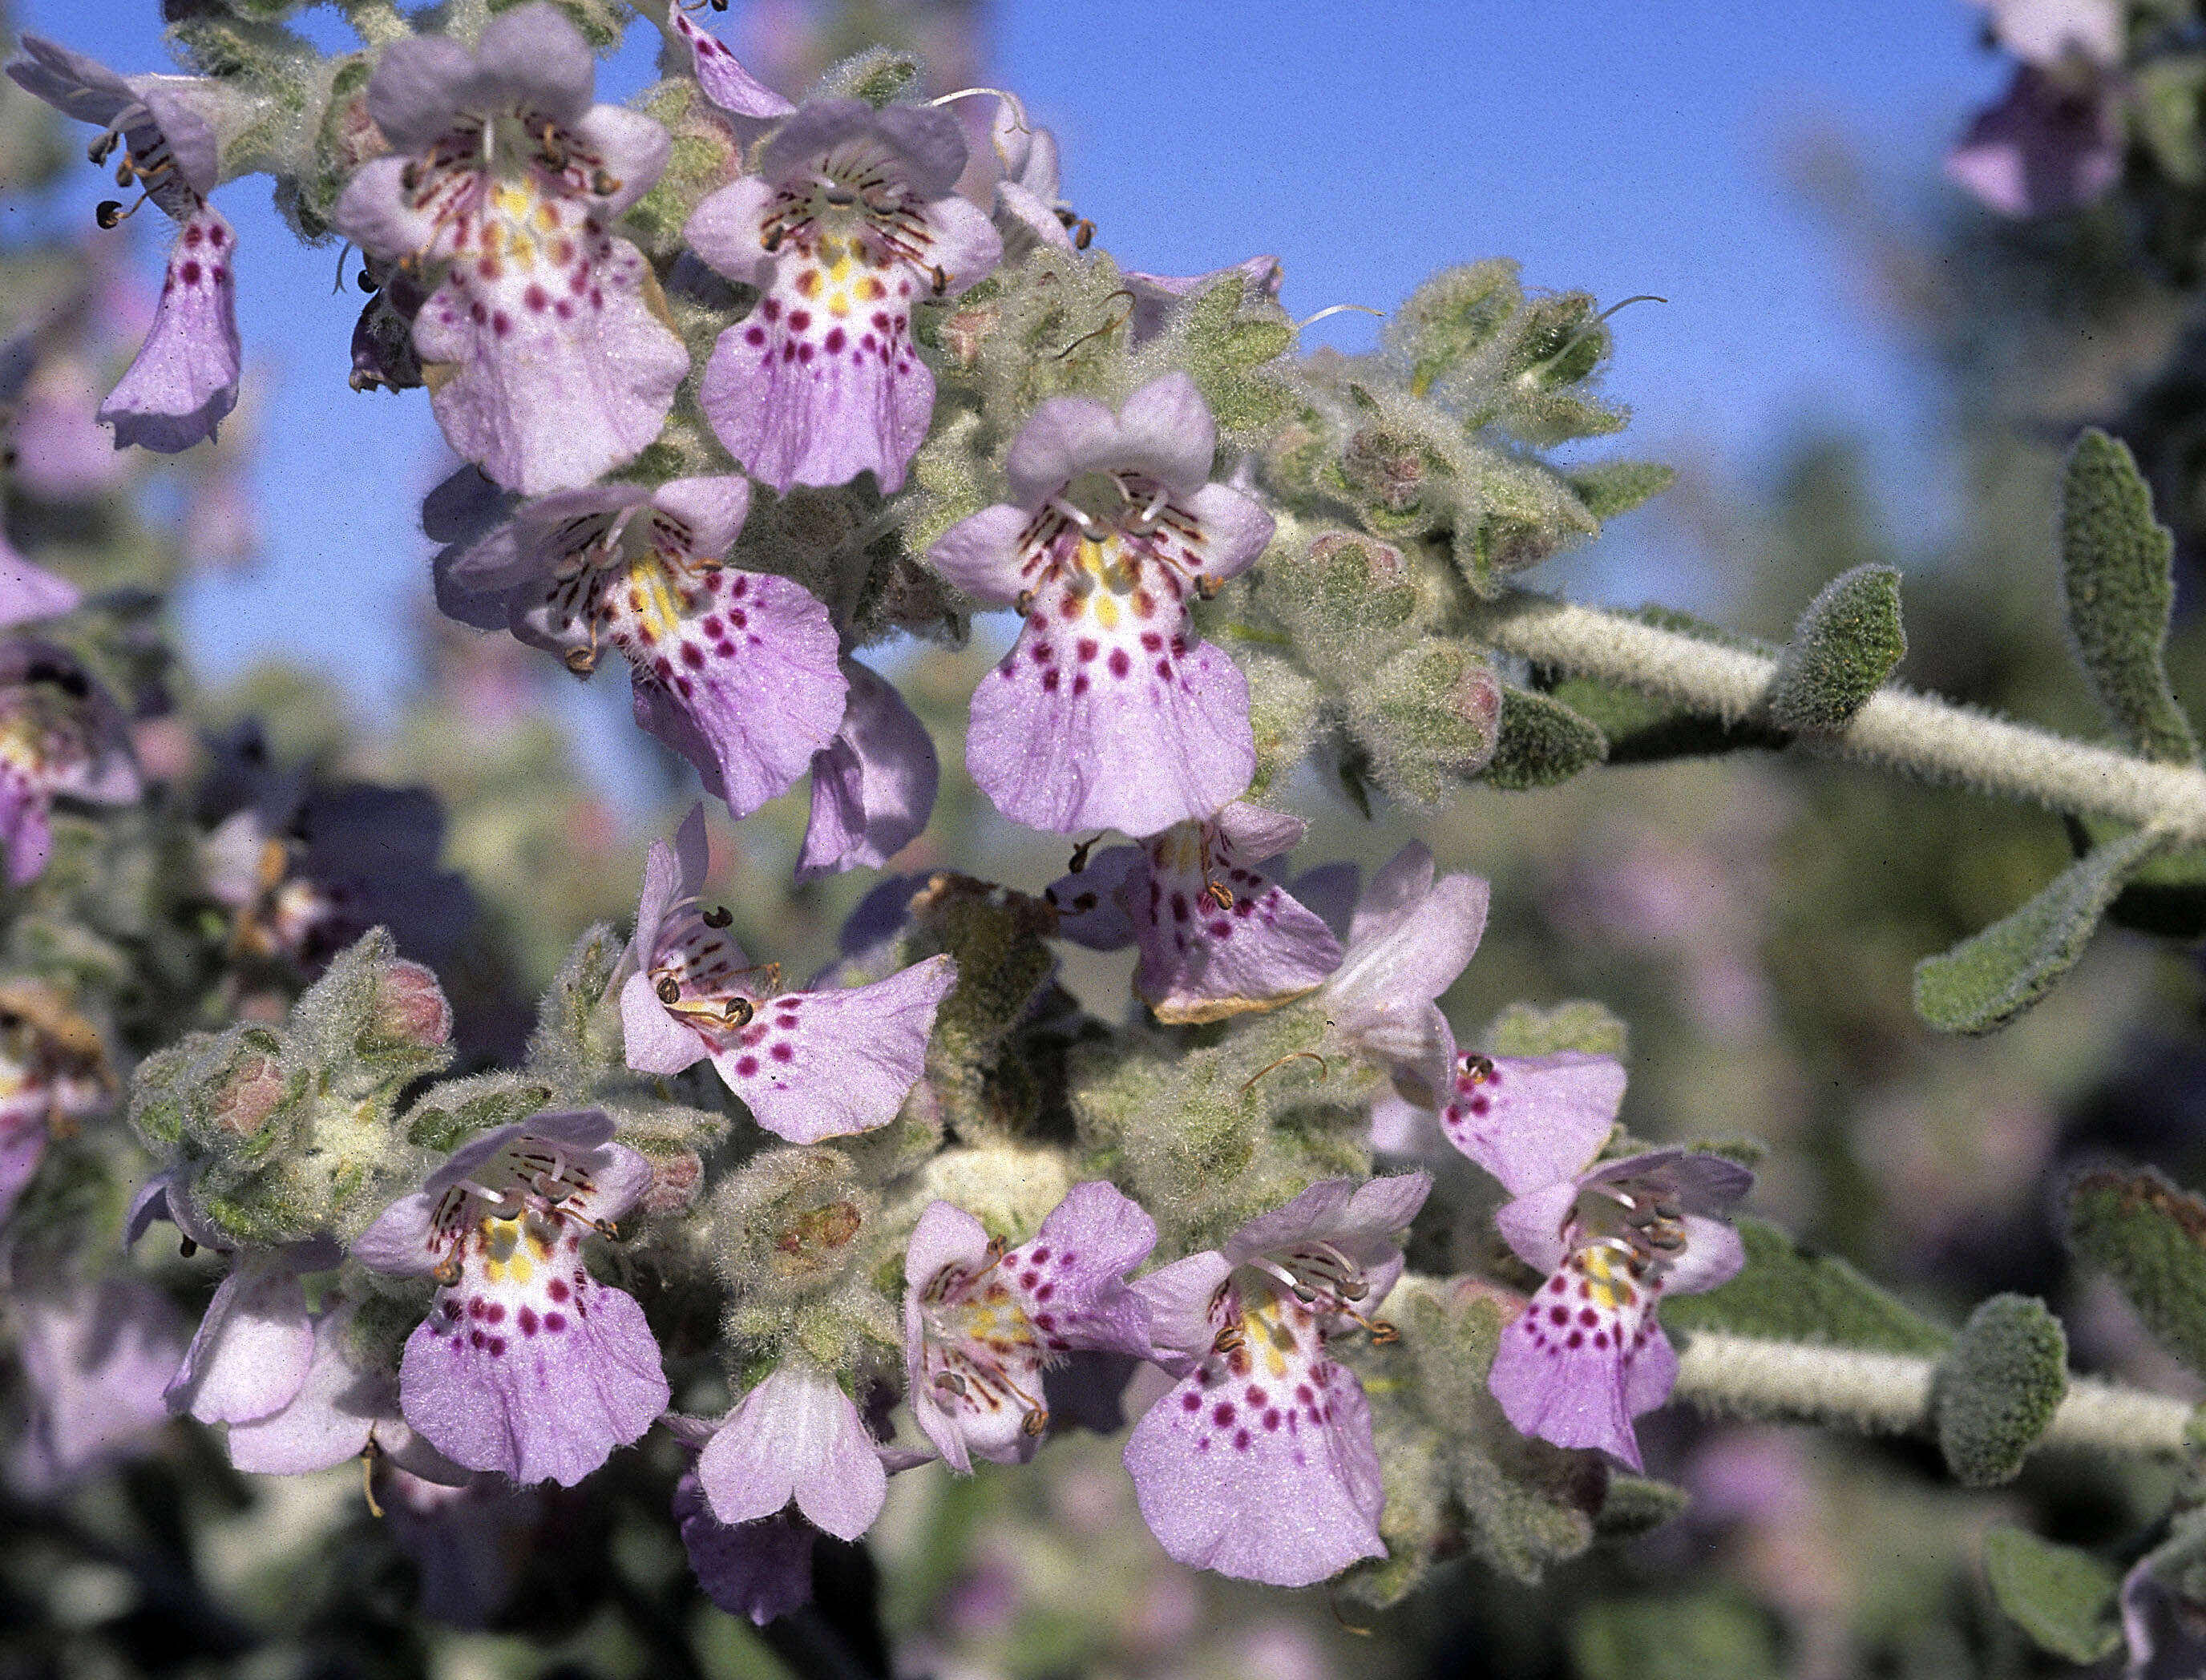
x: 408, y: 1007
x: 790, y: 1221
x: 252, y: 1091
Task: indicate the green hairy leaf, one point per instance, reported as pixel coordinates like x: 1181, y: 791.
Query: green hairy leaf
x: 2151, y: 1238
x: 1706, y: 1636
x: 1998, y: 1390
x: 1542, y: 743
x: 1788, y: 1293
x: 2116, y: 571
x: 1611, y: 487
x: 1992, y: 977
x: 2063, y: 1598
x: 1845, y: 646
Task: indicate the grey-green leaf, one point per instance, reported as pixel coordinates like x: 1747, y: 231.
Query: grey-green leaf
x: 2151, y: 1237
x: 1611, y: 487
x: 2116, y: 571
x: 1846, y: 644
x: 1542, y: 743
x: 2063, y: 1598
x: 1990, y: 978
x: 1998, y: 1390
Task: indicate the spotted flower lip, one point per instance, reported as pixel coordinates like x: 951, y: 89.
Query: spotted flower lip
x: 983, y: 1324
x: 60, y: 736
x: 505, y: 176
x: 1586, y: 1355
x: 1218, y: 936
x: 526, y: 1365
x: 1260, y: 1463
x: 727, y: 83
x: 736, y: 671
x: 809, y: 1063
x: 851, y: 221
x: 1108, y: 712
x: 184, y: 379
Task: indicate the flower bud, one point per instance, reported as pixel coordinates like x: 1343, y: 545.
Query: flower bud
x: 409, y: 1007
x: 242, y: 1101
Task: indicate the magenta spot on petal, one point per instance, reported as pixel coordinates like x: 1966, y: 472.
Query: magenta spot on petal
x: 494, y: 1314
x: 754, y: 336
x: 1241, y: 1440
x: 189, y: 273
x: 746, y: 1067
x: 781, y: 1052
x: 1120, y: 665
x: 557, y: 1289
x: 476, y: 1338
x: 1601, y: 1338
x: 1479, y: 1103
x: 1191, y: 1400
x: 554, y: 1322
x: 497, y: 1346
x: 1222, y: 1413
x: 1560, y: 1314
x: 1272, y: 1418
x: 193, y: 234
x: 1588, y: 1317
x: 527, y: 1319
x: 536, y: 298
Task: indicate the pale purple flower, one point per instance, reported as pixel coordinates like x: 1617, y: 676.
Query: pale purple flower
x: 761, y: 1568
x: 2049, y: 145
x: 253, y: 1348
x: 1108, y: 712
x: 2044, y: 32
x: 307, y: 868
x: 60, y: 736
x: 872, y: 784
x: 810, y: 1064
x: 30, y: 592
x: 1409, y: 937
x: 1029, y: 195
x: 184, y: 379
x: 727, y: 83
x: 1157, y: 295
x: 95, y: 1357
x: 851, y: 218
x: 339, y: 1408
x: 470, y: 1542
x: 1218, y: 936
x: 505, y: 173
x: 525, y: 1364
x: 2163, y: 1626
x: 1586, y: 1355
x: 981, y: 1324
x: 60, y: 454
x: 1260, y: 1463
x: 795, y: 1437
x: 53, y: 1071
x: 736, y: 671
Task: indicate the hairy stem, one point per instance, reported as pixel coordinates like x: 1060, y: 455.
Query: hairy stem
x: 377, y: 22
x: 1934, y: 739
x: 1883, y: 1393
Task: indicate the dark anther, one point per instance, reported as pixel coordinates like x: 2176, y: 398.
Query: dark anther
x: 1480, y: 1068
x: 669, y: 989
x: 367, y: 283
x: 719, y: 916
x: 842, y: 197
x: 99, y: 149
x: 1383, y: 1333
x: 941, y: 280
x: 1025, y: 602
x: 1079, y: 860
x: 1083, y: 234
x: 410, y: 176
x: 772, y: 240
x: 109, y: 213
x: 187, y: 1247
x: 604, y: 185
x: 126, y: 171
x: 582, y: 660
x: 446, y: 1271
x: 740, y: 1012
x: 1037, y: 1422
x: 1206, y: 588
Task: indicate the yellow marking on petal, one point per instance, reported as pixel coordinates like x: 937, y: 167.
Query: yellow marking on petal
x: 523, y: 250
x: 513, y: 202
x: 838, y: 306
x: 1106, y: 611
x: 839, y: 272
x: 547, y: 219
x: 809, y: 282
x: 649, y: 588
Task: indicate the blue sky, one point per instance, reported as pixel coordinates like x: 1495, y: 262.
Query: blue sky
x: 1613, y: 145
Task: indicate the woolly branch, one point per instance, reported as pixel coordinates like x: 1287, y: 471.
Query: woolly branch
x: 1922, y: 735
x: 1882, y: 1393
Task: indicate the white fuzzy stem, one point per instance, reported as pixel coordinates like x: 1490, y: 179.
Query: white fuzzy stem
x: 1883, y: 1393
x: 1931, y: 738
